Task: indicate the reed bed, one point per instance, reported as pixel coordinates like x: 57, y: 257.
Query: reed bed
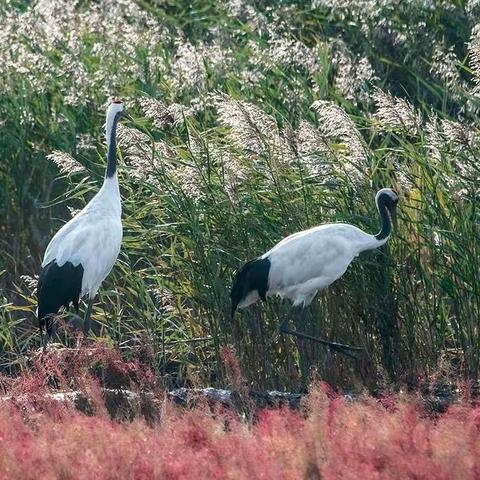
x: 250, y: 121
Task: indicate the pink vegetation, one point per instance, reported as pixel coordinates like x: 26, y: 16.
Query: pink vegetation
x: 335, y: 439
x: 329, y: 438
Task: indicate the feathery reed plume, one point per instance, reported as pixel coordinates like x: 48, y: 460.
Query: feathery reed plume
x: 474, y: 53
x: 444, y: 66
x: 314, y: 151
x: 131, y: 137
x: 188, y: 68
x: 30, y: 282
x: 353, y: 75
x: 335, y: 123
x: 65, y: 162
x: 137, y: 152
x: 395, y: 113
x: 145, y: 159
x: 459, y: 133
x: 73, y: 211
x: 433, y: 139
x: 246, y: 13
x: 352, y: 158
x: 164, y: 299
x: 234, y: 172
x: 251, y: 129
x: 455, y: 143
x: 161, y: 115
x: 216, y: 57
x: 85, y: 141
x: 286, y: 52
x: 189, y: 179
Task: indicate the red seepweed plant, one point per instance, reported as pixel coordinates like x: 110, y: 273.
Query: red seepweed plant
x: 44, y: 435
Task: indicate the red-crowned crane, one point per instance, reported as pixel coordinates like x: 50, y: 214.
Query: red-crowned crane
x: 304, y: 263
x: 82, y: 253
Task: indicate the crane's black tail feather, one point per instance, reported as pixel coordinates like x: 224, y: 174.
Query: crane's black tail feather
x: 251, y: 276
x: 57, y: 287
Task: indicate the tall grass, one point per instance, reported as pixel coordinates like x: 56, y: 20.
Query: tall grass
x: 248, y: 127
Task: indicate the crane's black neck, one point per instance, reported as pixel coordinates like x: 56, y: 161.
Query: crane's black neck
x: 384, y: 217
x: 112, y: 148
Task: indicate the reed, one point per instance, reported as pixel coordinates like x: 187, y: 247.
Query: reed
x: 248, y: 127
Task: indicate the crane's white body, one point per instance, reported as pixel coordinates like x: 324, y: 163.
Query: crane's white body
x: 306, y: 262
x: 92, y: 238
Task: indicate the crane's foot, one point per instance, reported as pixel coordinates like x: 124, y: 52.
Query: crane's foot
x: 347, y: 350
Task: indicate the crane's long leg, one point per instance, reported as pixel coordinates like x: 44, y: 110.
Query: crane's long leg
x: 337, y: 347
x: 43, y: 337
x: 47, y: 330
x: 88, y: 316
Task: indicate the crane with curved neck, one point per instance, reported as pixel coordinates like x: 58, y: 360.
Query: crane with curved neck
x: 302, y: 264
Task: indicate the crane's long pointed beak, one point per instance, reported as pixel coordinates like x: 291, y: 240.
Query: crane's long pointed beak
x: 393, y: 215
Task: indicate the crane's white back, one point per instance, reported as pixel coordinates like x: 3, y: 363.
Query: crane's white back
x: 308, y: 261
